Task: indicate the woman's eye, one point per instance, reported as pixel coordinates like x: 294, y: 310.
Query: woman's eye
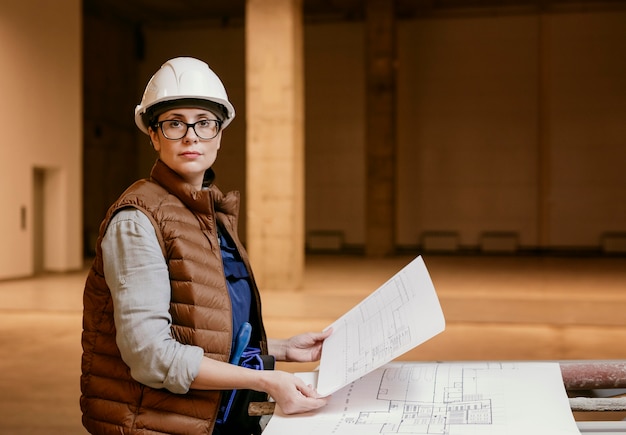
x: 204, y: 123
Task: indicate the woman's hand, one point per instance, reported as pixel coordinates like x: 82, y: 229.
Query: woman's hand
x: 291, y: 393
x: 305, y: 347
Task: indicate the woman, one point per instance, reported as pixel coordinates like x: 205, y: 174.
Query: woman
x: 171, y: 284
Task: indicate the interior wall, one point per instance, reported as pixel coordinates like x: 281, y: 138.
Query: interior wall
x: 335, y: 131
x: 110, y: 153
x: 40, y: 84
x: 587, y: 113
x: 469, y: 126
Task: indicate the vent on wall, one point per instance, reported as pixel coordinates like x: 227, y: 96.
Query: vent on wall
x: 614, y: 243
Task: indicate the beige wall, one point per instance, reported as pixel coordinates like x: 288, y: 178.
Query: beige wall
x: 40, y: 172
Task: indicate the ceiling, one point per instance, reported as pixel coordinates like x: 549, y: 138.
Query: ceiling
x: 231, y: 12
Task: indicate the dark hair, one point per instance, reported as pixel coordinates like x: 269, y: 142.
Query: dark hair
x: 152, y: 114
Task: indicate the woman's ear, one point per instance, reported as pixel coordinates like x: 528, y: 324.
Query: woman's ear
x: 219, y: 140
x: 154, y: 139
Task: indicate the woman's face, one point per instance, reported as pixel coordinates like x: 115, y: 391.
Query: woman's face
x: 189, y: 156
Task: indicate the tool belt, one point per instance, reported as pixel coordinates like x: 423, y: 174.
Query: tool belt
x: 233, y: 417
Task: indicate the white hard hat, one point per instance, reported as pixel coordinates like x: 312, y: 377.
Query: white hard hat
x: 183, y: 82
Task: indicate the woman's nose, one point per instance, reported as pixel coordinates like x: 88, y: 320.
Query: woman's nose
x: 191, y: 134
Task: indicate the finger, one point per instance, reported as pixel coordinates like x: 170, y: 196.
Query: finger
x: 323, y: 334
x: 318, y: 402
x: 308, y: 391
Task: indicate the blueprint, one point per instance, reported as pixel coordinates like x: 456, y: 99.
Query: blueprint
x: 473, y: 398
x: 401, y: 314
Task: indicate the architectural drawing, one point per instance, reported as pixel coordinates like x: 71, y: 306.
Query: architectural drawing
x: 401, y: 314
x: 470, y: 398
x: 383, y: 327
x: 430, y: 399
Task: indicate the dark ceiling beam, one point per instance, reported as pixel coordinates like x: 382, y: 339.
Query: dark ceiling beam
x: 231, y: 12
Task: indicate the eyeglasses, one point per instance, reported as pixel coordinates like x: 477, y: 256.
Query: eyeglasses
x: 174, y: 129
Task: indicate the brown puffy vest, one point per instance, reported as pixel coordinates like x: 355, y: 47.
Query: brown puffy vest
x: 185, y: 222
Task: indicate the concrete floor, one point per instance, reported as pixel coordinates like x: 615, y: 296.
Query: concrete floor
x: 496, y: 308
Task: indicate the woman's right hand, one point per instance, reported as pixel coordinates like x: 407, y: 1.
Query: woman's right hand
x: 291, y: 393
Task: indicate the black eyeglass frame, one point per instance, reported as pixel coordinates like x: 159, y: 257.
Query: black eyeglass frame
x: 159, y: 125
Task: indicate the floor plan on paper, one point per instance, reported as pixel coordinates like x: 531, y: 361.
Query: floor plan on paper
x: 481, y: 398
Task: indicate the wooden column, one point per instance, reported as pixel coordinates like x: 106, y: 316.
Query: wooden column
x: 275, y: 141
x: 544, y: 162
x: 380, y: 127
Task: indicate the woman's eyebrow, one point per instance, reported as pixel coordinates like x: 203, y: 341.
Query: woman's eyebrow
x: 207, y: 114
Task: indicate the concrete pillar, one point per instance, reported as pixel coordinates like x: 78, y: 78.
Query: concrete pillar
x: 275, y: 141
x: 380, y: 122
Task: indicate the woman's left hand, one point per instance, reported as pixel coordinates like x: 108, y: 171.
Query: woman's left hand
x: 300, y: 348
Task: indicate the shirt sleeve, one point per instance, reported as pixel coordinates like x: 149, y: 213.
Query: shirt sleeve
x: 137, y: 275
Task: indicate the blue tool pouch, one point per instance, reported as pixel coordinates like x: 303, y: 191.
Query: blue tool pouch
x: 233, y: 418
